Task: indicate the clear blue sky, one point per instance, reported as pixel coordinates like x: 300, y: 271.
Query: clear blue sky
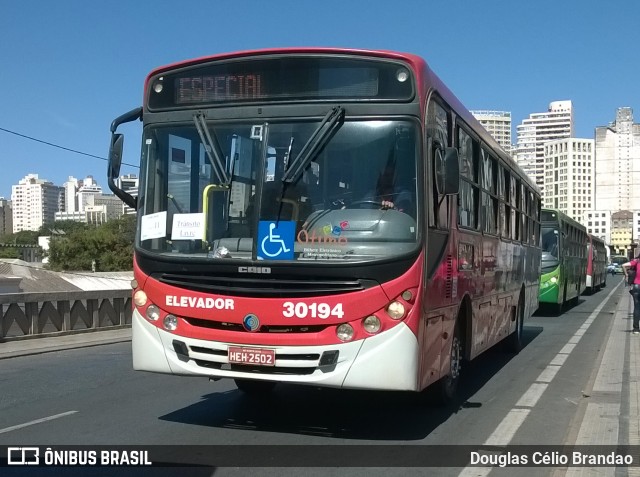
x: 69, y: 67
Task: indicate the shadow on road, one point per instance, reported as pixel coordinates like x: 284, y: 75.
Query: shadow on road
x: 343, y: 414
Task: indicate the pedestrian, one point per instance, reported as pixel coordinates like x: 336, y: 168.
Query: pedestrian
x: 633, y: 279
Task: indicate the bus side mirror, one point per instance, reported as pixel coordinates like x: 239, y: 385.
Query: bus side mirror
x: 113, y: 172
x: 115, y: 155
x: 447, y: 171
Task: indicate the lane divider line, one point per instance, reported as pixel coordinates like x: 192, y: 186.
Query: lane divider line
x: 37, y: 421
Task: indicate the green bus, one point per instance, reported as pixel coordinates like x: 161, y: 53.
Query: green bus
x: 564, y: 259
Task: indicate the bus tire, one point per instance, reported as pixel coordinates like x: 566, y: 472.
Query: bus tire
x: 255, y: 388
x: 560, y: 306
x: 447, y: 386
x: 514, y: 342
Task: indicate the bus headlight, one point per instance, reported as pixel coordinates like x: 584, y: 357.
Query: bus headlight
x: 140, y: 298
x: 395, y: 310
x: 554, y: 280
x: 153, y: 312
x: 170, y: 322
x: 371, y: 324
x: 344, y: 332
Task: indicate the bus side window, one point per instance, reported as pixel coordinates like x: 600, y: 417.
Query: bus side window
x: 438, y: 132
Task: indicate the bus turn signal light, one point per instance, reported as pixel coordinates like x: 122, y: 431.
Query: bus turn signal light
x: 140, y: 298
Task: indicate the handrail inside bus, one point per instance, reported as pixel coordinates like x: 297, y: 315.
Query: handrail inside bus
x: 205, y: 204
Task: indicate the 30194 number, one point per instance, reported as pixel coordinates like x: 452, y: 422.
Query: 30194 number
x: 311, y: 310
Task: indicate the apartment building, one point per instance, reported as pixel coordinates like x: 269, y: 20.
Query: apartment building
x: 6, y: 217
x: 498, y: 124
x: 35, y: 202
x: 129, y: 183
x: 618, y: 163
x: 534, y: 132
x: 569, y: 176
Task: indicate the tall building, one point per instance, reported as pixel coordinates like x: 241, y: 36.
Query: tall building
x: 498, y: 124
x: 88, y: 188
x: 618, y: 163
x: 70, y: 197
x: 569, y: 176
x: 598, y: 223
x: 97, y: 209
x: 536, y: 131
x: 6, y: 217
x: 35, y: 202
x: 77, y: 193
x: 128, y: 183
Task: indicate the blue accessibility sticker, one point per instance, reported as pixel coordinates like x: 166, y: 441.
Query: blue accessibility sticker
x: 276, y: 240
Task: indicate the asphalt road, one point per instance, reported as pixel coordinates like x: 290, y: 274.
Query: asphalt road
x: 92, y: 397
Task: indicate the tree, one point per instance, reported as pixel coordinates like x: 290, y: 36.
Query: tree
x: 24, y: 237
x: 109, y: 245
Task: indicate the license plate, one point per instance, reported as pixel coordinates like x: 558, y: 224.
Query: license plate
x: 254, y: 356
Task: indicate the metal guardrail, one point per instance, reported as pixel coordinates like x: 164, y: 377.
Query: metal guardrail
x: 32, y: 315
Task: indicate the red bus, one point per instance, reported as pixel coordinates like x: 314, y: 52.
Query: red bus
x: 597, y: 262
x: 319, y: 216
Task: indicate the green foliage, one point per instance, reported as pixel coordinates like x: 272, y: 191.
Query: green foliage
x: 25, y: 237
x: 9, y: 252
x: 110, y: 245
x: 62, y: 226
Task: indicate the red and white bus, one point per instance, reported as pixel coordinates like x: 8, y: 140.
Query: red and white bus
x: 597, y: 261
x: 320, y: 216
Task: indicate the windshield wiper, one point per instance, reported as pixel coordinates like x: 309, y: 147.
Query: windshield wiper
x: 320, y: 137
x: 211, y: 148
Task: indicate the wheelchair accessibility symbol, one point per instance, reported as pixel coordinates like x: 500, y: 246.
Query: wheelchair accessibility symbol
x: 275, y: 240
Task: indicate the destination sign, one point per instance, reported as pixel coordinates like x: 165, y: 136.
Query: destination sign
x: 280, y: 78
x: 220, y: 88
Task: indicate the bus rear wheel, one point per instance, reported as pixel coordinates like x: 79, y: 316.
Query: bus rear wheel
x: 255, y: 388
x: 514, y: 341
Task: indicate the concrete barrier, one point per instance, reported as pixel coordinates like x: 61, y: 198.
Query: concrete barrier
x: 30, y: 315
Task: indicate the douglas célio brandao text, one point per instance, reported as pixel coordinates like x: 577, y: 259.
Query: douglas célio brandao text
x: 574, y: 458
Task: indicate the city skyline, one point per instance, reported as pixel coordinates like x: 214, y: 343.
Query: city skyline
x: 36, y: 201
x: 74, y: 72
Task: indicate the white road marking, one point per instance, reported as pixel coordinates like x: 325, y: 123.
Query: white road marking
x: 508, y: 427
x: 548, y: 374
x: 559, y: 359
x: 37, y: 421
x: 567, y: 349
x: 531, y: 397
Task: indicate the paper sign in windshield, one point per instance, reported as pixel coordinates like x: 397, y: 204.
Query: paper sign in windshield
x: 153, y: 226
x: 187, y: 227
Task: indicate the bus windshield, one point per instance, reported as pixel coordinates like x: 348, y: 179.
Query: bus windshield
x: 223, y: 190
x: 550, y: 247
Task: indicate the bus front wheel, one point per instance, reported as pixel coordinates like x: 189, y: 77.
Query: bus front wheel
x: 447, y: 386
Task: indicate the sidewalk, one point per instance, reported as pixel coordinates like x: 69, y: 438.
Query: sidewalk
x: 24, y: 347
x: 612, y: 415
